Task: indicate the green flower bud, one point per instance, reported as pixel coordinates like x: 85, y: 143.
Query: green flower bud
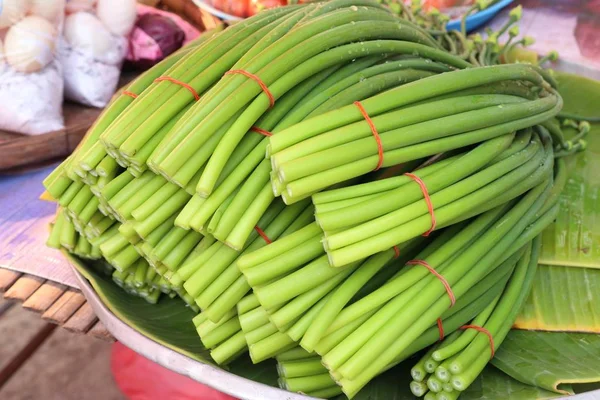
x: 482, y: 4
x: 434, y: 12
x: 492, y: 39
x: 516, y: 13
x: 528, y: 41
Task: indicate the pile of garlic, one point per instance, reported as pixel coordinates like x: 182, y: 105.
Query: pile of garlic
x: 31, y: 84
x: 28, y: 32
x: 93, y: 47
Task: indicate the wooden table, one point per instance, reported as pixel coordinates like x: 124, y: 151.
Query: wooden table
x: 57, y: 304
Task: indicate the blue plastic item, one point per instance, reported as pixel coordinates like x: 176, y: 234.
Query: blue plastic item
x: 474, y: 21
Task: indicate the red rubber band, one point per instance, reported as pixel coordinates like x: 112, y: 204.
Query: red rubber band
x: 396, y: 252
x: 180, y: 83
x: 374, y: 131
x: 437, y: 275
x: 427, y: 200
x: 484, y: 331
x: 440, y: 328
x: 257, y: 80
x: 130, y: 94
x: 261, y: 131
x: 263, y: 234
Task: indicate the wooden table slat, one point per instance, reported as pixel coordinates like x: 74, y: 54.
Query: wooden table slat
x: 64, y: 307
x: 57, y: 303
x: 7, y: 279
x: 82, y: 320
x: 44, y: 297
x: 99, y: 331
x: 24, y: 287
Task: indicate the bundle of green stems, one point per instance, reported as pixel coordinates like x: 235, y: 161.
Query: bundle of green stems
x: 451, y: 366
x: 432, y: 115
x: 360, y: 220
x: 302, y: 372
x: 223, y: 338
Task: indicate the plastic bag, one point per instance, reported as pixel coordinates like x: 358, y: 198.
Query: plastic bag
x: 141, y: 379
x: 31, y: 84
x: 93, y: 47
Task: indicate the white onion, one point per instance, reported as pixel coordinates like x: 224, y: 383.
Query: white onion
x: 117, y: 15
x: 29, y: 44
x: 74, y: 6
x: 12, y: 11
x: 47, y: 9
x: 85, y: 32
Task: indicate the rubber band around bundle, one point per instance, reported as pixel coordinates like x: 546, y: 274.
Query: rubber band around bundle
x: 441, y: 329
x: 261, y: 131
x: 130, y: 94
x: 427, y: 201
x: 396, y: 252
x: 374, y: 131
x: 255, y: 78
x: 437, y: 275
x: 262, y: 234
x: 485, y: 332
x: 180, y: 83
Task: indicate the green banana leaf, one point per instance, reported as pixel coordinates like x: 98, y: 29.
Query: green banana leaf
x: 492, y: 384
x: 574, y: 239
x: 550, y: 360
x: 563, y: 299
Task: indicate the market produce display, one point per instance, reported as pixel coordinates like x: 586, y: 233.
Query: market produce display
x: 31, y: 83
x: 340, y: 186
x: 93, y: 47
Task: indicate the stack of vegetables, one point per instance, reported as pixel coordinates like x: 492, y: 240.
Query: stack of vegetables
x: 331, y: 184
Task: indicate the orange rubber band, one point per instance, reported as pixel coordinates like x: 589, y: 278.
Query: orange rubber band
x: 396, y: 252
x: 485, y: 332
x: 263, y: 234
x: 261, y: 131
x: 437, y: 275
x: 374, y: 131
x: 257, y: 80
x: 427, y: 200
x: 441, y: 329
x: 130, y: 94
x: 180, y: 83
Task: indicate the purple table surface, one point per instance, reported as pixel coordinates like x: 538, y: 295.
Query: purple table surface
x: 24, y: 220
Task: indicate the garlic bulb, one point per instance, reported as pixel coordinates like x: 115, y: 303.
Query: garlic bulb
x: 29, y: 44
x: 50, y: 10
x: 12, y: 11
x: 74, y: 6
x: 117, y: 15
x: 1, y: 53
x: 85, y: 32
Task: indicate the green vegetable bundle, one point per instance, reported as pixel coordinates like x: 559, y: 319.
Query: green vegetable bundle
x: 339, y: 145
x: 302, y: 372
x: 414, y: 175
x: 451, y: 366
